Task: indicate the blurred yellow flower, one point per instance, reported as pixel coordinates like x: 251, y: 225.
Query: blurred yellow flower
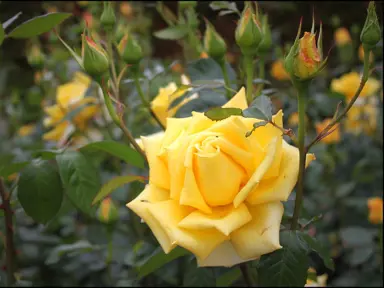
x: 321, y: 281
x: 349, y: 83
x: 26, y: 130
x: 293, y: 119
x: 334, y: 137
x: 12, y: 177
x: 166, y: 96
x: 362, y: 118
x: 361, y: 54
x: 178, y: 68
x: 342, y: 36
x: 278, y: 71
x: 126, y: 9
x: 69, y: 97
x: 375, y: 206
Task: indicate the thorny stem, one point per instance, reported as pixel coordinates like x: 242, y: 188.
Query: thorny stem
x: 118, y: 122
x: 350, y: 104
x: 226, y: 78
x: 302, y: 89
x: 10, y: 248
x: 261, y: 75
x: 144, y: 100
x: 249, y: 74
x: 115, y: 86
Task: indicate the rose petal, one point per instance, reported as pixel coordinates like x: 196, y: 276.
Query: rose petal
x: 158, y: 171
x: 258, y: 174
x: 224, y: 255
x: 237, y: 101
x: 209, y: 170
x: 201, y: 243
x: 56, y: 133
x: 261, y: 235
x: 278, y: 189
x: 225, y: 219
x: 142, y: 205
x: 70, y: 93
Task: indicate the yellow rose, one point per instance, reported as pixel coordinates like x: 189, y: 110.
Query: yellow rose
x: 126, y: 9
x: 334, y: 137
x: 308, y: 59
x: 69, y: 97
x: 166, y: 96
x: 278, y: 71
x: 26, y: 130
x: 375, y: 206
x: 321, y: 281
x: 342, y: 36
x: 361, y: 54
x: 361, y: 118
x: 216, y: 192
x: 349, y: 83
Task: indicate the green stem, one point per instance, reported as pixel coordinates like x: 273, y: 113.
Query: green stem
x: 115, y: 86
x: 109, y: 253
x: 302, y: 89
x: 248, y: 62
x: 144, y: 100
x: 9, y: 244
x: 118, y: 122
x: 261, y: 75
x: 226, y: 77
x: 246, y: 275
x: 337, y: 119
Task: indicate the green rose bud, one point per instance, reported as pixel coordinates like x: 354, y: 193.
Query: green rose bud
x: 266, y: 43
x: 248, y: 32
x: 130, y: 50
x: 94, y: 58
x: 107, y: 212
x: 214, y: 44
x: 108, y: 18
x: 371, y: 33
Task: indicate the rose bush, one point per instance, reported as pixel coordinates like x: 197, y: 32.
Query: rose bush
x: 216, y: 192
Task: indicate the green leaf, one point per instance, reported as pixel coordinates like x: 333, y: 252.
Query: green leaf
x: 113, y: 184
x: 219, y: 113
x: 2, y: 34
x: 159, y: 259
x: 117, y: 149
x: 81, y: 180
x: 360, y: 255
x: 38, y: 25
x: 57, y: 253
x: 261, y: 108
x: 46, y: 154
x: 345, y: 189
x: 40, y: 191
x: 11, y: 20
x: 172, y: 32
x: 255, y: 126
x: 356, y: 237
x: 9, y: 169
x: 287, y: 266
x: 320, y: 249
x: 228, y: 278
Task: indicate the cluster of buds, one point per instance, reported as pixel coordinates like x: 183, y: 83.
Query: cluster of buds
x: 214, y: 44
x: 305, y: 59
x: 253, y: 34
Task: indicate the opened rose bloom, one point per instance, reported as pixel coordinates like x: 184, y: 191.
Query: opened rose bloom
x: 70, y: 96
x: 214, y: 191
